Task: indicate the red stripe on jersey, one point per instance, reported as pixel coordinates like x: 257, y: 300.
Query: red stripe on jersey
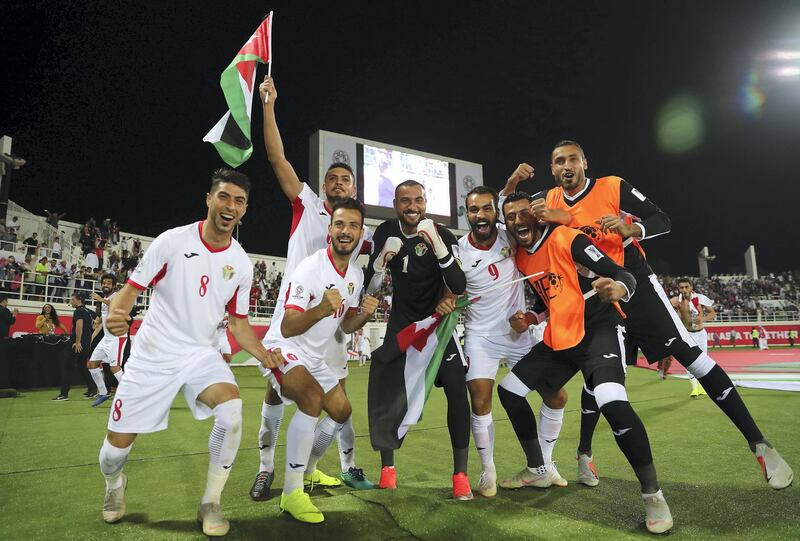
x: 330, y: 258
x: 159, y: 275
x: 366, y: 248
x: 231, y: 306
x: 137, y: 286
x: 207, y: 245
x: 120, y: 347
x: 297, y: 212
x: 294, y: 307
x: 288, y: 289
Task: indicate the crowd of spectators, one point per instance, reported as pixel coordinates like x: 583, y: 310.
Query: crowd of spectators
x: 264, y: 290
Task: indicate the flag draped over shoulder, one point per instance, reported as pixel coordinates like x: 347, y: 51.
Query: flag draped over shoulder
x: 403, y: 372
x: 231, y: 135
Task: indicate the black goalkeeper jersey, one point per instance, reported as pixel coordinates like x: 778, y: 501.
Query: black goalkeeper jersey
x: 418, y: 277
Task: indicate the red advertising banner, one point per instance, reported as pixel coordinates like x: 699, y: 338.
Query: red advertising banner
x: 740, y: 335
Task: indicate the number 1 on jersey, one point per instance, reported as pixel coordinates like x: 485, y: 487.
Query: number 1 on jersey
x: 405, y: 263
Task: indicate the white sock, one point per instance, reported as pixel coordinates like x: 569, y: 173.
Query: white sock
x: 223, y: 444
x: 483, y: 434
x: 323, y: 436
x: 346, y: 440
x: 271, y: 418
x: 694, y: 382
x: 550, y: 421
x: 97, y: 376
x: 118, y: 374
x: 299, y: 440
x: 111, y: 461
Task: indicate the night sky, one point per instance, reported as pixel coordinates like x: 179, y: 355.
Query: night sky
x: 109, y: 102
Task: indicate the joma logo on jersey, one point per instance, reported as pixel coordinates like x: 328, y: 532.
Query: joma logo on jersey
x: 421, y: 249
x: 548, y: 287
x: 228, y: 271
x: 593, y: 233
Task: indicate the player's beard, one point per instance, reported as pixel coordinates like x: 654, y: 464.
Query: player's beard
x: 573, y: 182
x: 483, y: 236
x: 530, y: 239
x: 336, y: 247
x: 405, y: 220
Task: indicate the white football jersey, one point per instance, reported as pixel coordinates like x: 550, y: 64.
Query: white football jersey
x: 309, y: 233
x: 698, y: 299
x: 193, y: 286
x: 104, y: 316
x: 486, y: 268
x: 309, y: 281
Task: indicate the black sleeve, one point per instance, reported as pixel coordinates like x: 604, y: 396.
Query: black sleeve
x: 654, y: 220
x: 591, y: 257
x: 454, y: 277
x: 378, y: 240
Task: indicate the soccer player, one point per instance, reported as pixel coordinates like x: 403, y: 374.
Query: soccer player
x: 197, y: 272
x: 420, y: 256
x: 487, y: 258
x: 575, y: 282
x: 322, y: 297
x: 694, y: 309
x: 110, y: 348
x: 311, y: 217
x: 602, y: 208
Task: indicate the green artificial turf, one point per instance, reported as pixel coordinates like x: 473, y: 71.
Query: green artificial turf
x: 51, y: 487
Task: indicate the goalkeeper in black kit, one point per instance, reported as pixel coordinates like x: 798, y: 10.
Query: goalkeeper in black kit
x: 421, y: 257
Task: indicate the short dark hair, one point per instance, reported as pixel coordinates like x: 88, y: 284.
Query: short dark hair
x: 408, y: 183
x: 569, y: 143
x: 484, y: 190
x: 229, y: 175
x: 79, y: 295
x: 348, y: 203
x: 685, y: 279
x: 342, y: 165
x: 109, y: 276
x: 3, y: 297
x: 516, y: 196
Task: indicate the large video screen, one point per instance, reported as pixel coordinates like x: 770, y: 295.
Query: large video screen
x: 382, y: 169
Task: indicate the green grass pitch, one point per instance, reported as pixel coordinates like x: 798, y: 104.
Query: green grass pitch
x: 51, y: 488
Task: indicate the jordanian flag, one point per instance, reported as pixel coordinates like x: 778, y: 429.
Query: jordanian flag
x: 231, y: 135
x: 403, y: 372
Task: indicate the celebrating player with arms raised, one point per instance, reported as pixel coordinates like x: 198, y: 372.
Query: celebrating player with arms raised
x: 323, y: 295
x: 197, y: 270
x: 311, y: 217
x: 603, y: 208
x: 575, y: 283
x: 487, y: 258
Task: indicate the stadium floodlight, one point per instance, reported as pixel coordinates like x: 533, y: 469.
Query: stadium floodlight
x: 703, y: 257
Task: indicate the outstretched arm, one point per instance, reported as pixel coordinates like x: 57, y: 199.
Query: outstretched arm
x: 287, y: 178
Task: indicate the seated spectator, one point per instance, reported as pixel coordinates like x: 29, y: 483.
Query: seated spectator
x: 47, y: 322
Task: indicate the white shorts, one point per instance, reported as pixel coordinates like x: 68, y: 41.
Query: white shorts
x: 336, y: 355
x: 701, y: 338
x: 145, y: 395
x: 109, y: 350
x: 294, y: 358
x: 484, y: 353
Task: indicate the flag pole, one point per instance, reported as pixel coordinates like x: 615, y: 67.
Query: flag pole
x: 269, y: 48
x: 498, y: 286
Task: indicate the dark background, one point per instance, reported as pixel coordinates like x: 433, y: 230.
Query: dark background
x: 109, y: 103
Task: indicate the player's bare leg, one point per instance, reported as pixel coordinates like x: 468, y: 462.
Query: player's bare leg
x: 551, y: 418
x: 113, y: 455
x: 223, y: 444
x: 480, y: 392
x: 271, y: 419
x: 301, y: 387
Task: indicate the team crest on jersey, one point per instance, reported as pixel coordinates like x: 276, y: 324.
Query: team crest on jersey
x: 350, y: 288
x: 593, y: 233
x: 505, y: 251
x: 228, y: 271
x: 421, y: 249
